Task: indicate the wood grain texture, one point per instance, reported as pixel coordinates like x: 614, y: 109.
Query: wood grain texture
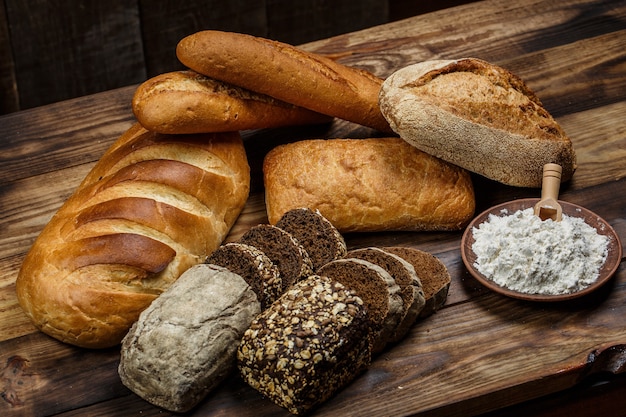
x: 481, y: 352
x: 9, y: 101
x: 58, y: 48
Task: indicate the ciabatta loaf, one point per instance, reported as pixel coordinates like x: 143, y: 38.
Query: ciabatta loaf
x: 153, y: 206
x: 368, y: 185
x: 287, y: 73
x: 188, y: 102
x: 478, y: 116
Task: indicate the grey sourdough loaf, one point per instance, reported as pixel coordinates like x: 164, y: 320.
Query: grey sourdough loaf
x: 478, y: 116
x: 153, y: 206
x: 184, y: 344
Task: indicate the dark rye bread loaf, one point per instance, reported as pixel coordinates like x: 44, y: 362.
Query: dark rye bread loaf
x: 185, y: 343
x: 379, y: 292
x: 254, y: 266
x: 405, y: 276
x: 432, y: 273
x: 283, y: 249
x: 308, y: 345
x: 316, y: 234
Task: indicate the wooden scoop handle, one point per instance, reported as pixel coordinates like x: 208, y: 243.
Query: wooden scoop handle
x: 551, y: 181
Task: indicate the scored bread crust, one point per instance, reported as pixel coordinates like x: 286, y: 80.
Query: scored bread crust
x: 153, y: 206
x: 188, y: 102
x: 478, y: 116
x: 368, y: 185
x: 287, y: 73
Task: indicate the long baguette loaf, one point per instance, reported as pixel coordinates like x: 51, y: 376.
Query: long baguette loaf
x: 478, y: 116
x: 188, y: 102
x: 287, y: 73
x: 368, y: 185
x: 153, y: 206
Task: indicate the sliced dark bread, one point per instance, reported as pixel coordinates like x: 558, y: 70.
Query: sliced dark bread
x: 283, y: 249
x: 405, y: 276
x: 432, y: 273
x: 307, y: 345
x: 315, y: 233
x: 379, y: 292
x: 254, y: 266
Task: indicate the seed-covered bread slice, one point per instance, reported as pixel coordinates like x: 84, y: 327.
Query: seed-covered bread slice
x: 307, y: 345
x: 316, y: 234
x: 432, y: 273
x: 283, y: 249
x: 254, y: 266
x: 378, y: 290
x: 478, y: 116
x: 405, y: 276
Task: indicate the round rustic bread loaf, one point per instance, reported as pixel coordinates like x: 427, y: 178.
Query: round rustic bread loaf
x: 283, y: 249
x: 405, y: 276
x: 379, y: 292
x: 432, y: 273
x: 308, y: 345
x: 478, y: 116
x: 254, y: 266
x: 316, y: 234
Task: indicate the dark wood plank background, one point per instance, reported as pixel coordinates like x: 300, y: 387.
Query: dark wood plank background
x: 53, y: 51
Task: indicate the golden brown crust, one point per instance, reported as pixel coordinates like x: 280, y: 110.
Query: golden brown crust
x: 188, y: 102
x: 478, y: 116
x: 153, y: 206
x: 287, y: 73
x: 368, y: 185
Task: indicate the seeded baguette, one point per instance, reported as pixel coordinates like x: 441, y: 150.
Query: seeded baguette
x: 188, y: 102
x: 287, y: 73
x: 478, y: 116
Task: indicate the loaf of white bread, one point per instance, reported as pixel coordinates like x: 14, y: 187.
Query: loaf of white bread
x: 188, y: 102
x: 368, y: 185
x: 287, y: 73
x: 478, y: 116
x: 153, y: 206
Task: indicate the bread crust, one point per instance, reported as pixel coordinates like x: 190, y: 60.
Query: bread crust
x: 188, y: 102
x: 153, y: 206
x: 478, y: 116
x: 287, y: 73
x: 368, y: 185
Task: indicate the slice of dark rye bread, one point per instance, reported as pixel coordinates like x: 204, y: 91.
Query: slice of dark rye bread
x: 283, y: 249
x: 307, y: 345
x: 254, y: 266
x: 315, y: 233
x: 432, y: 273
x: 377, y: 289
x: 405, y: 276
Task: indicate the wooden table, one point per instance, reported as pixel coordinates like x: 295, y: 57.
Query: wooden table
x: 481, y: 352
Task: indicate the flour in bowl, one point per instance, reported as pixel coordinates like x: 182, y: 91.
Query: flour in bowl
x: 525, y: 254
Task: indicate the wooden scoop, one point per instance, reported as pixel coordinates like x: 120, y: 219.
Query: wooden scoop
x: 548, y: 207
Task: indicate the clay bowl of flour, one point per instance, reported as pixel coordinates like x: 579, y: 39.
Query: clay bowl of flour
x: 508, y: 252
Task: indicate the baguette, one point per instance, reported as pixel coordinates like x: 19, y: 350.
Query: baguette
x: 287, y: 73
x: 153, y: 206
x: 478, y: 116
x: 368, y: 185
x: 188, y: 102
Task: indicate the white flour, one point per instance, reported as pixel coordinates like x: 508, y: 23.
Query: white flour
x: 525, y: 254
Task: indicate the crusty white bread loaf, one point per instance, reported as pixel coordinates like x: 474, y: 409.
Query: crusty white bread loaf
x: 152, y: 206
x: 185, y: 343
x: 478, y: 116
x: 368, y: 185
x: 188, y: 102
x: 287, y: 73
